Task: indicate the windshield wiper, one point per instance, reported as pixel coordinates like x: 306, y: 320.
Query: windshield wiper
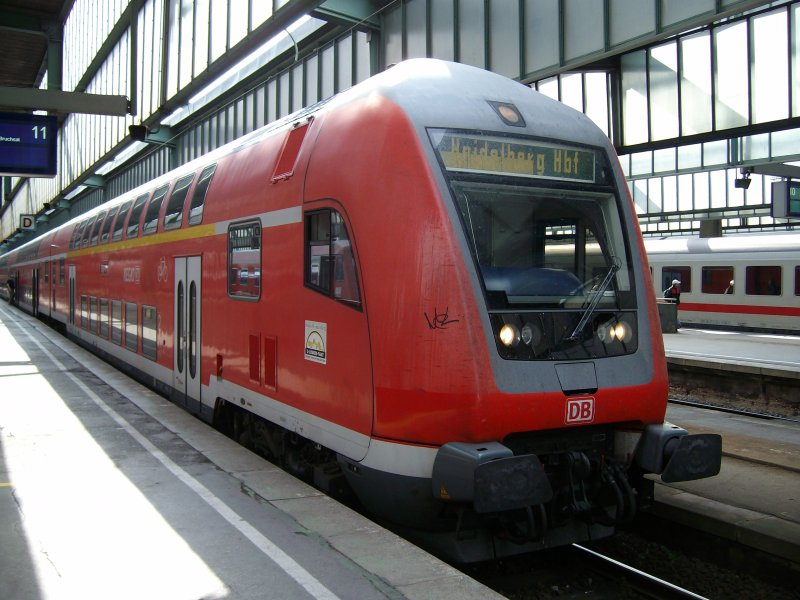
x: 598, y: 294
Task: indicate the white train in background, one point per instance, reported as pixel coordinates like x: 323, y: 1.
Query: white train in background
x: 745, y: 281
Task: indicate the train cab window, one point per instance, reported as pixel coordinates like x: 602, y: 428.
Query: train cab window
x: 149, y: 328
x: 136, y: 214
x: 131, y: 326
x: 199, y: 195
x: 116, y: 235
x: 105, y: 233
x: 151, y: 216
x: 244, y: 260
x: 330, y: 266
x: 716, y: 280
x: 762, y: 281
x: 682, y: 274
x: 173, y: 215
x: 116, y: 322
x: 98, y: 225
x: 87, y: 232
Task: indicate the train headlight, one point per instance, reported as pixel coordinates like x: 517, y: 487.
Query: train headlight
x: 612, y: 331
x: 509, y: 335
x: 527, y: 334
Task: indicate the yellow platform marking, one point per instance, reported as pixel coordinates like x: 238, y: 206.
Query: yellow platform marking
x: 2, y: 484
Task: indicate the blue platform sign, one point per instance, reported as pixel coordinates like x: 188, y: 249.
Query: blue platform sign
x: 28, y: 145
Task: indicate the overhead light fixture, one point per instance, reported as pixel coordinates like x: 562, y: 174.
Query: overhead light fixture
x: 743, y: 182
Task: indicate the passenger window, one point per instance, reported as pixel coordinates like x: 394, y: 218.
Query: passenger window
x: 120, y: 222
x: 84, y: 312
x: 131, y: 326
x: 244, y: 260
x: 330, y: 266
x: 717, y: 280
x: 763, y: 281
x: 104, y: 318
x: 136, y: 213
x: 87, y: 231
x: 797, y: 281
x: 682, y: 274
x: 149, y: 328
x: 97, y: 227
x: 104, y: 235
x: 174, y: 212
x: 116, y: 322
x: 93, y: 314
x: 151, y: 216
x: 199, y: 195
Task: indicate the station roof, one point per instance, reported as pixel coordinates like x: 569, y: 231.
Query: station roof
x: 26, y: 26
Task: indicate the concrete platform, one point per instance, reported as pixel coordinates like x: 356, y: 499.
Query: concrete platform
x: 108, y: 490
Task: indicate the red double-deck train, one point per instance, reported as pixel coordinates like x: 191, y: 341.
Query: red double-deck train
x: 431, y: 287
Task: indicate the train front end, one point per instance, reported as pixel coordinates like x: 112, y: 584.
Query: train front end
x: 532, y: 405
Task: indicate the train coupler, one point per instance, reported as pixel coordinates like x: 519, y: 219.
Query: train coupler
x: 670, y: 451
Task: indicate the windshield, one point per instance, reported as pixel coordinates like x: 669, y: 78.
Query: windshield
x: 545, y: 249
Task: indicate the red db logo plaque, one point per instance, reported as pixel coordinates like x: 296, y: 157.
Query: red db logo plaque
x: 580, y: 410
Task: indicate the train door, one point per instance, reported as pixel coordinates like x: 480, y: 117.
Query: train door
x: 72, y: 294
x: 186, y: 359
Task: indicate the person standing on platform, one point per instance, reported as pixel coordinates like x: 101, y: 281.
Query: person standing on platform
x: 674, y: 292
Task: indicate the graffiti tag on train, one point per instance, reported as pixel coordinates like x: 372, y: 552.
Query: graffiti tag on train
x: 440, y: 321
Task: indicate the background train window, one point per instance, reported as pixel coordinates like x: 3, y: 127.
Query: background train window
x: 763, y: 281
x: 116, y: 322
x: 98, y: 224
x: 797, y: 281
x: 173, y: 215
x: 84, y: 312
x: 716, y: 280
x: 104, y: 318
x: 153, y: 209
x: 120, y: 222
x: 93, y: 314
x: 131, y: 326
x: 199, y: 195
x: 136, y: 213
x: 244, y: 260
x: 682, y: 274
x: 149, y: 327
x: 106, y: 231
x: 330, y: 265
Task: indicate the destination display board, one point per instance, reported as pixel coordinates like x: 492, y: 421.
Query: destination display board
x: 28, y: 145
x: 786, y: 199
x: 475, y: 153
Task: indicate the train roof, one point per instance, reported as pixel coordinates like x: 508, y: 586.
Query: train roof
x: 738, y: 243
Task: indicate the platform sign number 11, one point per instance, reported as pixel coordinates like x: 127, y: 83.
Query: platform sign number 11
x: 39, y: 132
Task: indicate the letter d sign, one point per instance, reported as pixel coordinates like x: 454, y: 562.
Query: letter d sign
x: 27, y: 222
x: 580, y: 410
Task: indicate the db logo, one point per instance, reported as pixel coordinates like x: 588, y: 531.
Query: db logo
x: 580, y: 410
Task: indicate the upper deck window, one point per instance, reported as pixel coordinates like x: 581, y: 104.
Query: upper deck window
x: 120, y: 222
x: 199, y: 195
x: 104, y: 234
x: 97, y: 227
x: 153, y: 209
x: 173, y: 215
x: 136, y: 214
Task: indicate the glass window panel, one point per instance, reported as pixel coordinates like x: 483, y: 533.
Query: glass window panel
x: 149, y: 331
x: 261, y: 12
x: 755, y: 146
x: 541, y: 46
x: 202, y: 14
x: 173, y: 47
x: 785, y: 143
x: 131, y: 326
x: 696, y: 84
x: 442, y: 30
x: 664, y: 160
x: 682, y: 274
x: 795, y: 59
x: 735, y: 195
x: 244, y: 261
x: 344, y: 55
x: 642, y: 163
x: 690, y: 157
x: 116, y: 322
x: 104, y: 318
x: 719, y: 189
x: 582, y: 36
x: 572, y: 91
x: 549, y: 87
x: 471, y: 33
x: 187, y: 42
x: 151, y: 216
x: 634, y: 98
x: 676, y: 11
x: 238, y: 23
x: 755, y: 193
x: 685, y: 193
x: 702, y: 190
x: 504, y: 38
x: 416, y: 30
x: 629, y: 19
x: 640, y: 196
x: 670, y: 193
x: 732, y: 97
x: 173, y: 215
x: 219, y: 29
x: 771, y: 58
x: 715, y: 153
x: 664, y: 91
x: 596, y: 85
x: 654, y: 195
